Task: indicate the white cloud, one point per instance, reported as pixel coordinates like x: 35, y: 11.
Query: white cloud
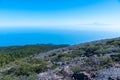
x: 95, y: 27
x: 63, y: 25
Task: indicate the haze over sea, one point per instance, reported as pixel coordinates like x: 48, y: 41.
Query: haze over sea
x: 52, y: 36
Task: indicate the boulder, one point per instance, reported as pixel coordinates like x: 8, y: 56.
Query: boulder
x: 81, y: 76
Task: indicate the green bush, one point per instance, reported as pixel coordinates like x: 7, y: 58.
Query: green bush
x: 12, y: 77
x: 27, y: 67
x: 13, y: 53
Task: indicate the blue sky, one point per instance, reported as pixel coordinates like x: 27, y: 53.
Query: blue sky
x: 61, y: 14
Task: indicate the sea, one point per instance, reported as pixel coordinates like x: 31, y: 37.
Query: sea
x: 52, y: 36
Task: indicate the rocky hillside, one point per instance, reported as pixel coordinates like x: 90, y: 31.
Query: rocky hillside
x: 97, y: 60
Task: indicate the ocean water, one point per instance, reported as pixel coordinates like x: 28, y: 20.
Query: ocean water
x: 46, y: 36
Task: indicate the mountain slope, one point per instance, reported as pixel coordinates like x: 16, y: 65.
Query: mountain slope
x: 88, y: 61
x: 98, y: 57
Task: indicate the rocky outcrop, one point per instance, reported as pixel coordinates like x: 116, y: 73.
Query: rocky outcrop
x: 81, y: 76
x: 49, y: 76
x: 112, y: 73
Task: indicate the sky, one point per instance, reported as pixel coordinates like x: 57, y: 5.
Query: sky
x: 61, y: 14
x: 58, y: 21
